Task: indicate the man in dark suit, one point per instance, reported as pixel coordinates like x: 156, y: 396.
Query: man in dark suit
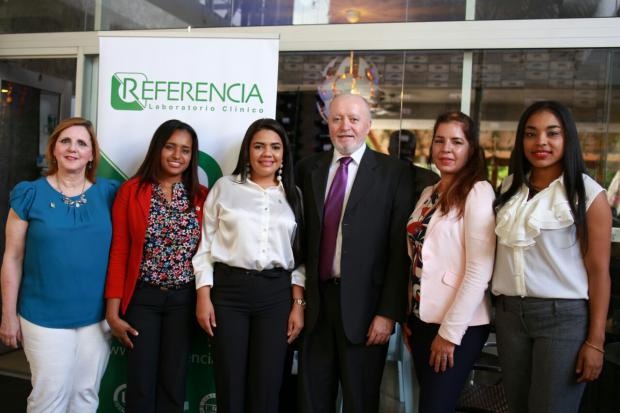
x: 356, y: 262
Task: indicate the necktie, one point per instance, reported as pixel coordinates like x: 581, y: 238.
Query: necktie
x: 331, y: 218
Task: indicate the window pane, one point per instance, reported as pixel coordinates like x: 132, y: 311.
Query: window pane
x: 43, y: 16
x: 505, y: 82
x: 406, y: 91
x: 34, y: 16
x: 34, y: 95
x: 551, y: 9
x: 152, y: 14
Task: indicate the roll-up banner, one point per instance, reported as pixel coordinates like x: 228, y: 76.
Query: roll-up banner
x: 217, y: 85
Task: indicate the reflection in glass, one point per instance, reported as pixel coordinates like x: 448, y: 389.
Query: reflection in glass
x: 34, y: 95
x: 32, y: 16
x: 409, y: 89
x: 551, y: 9
x: 505, y: 82
x: 44, y: 16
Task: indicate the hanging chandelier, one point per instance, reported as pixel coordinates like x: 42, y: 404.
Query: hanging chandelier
x: 354, y: 75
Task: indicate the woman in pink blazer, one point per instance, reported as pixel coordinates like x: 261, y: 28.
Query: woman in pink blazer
x: 451, y: 243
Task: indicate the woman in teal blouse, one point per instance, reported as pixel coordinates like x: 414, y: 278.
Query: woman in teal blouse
x: 53, y: 273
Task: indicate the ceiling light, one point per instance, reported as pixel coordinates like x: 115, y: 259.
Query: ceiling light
x: 353, y: 15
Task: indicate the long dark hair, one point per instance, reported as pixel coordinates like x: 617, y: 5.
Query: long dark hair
x: 288, y: 178
x: 572, y: 163
x: 150, y: 170
x: 474, y: 169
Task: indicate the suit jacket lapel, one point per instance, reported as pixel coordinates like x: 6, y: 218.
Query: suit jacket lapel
x: 363, y: 180
x: 319, y: 181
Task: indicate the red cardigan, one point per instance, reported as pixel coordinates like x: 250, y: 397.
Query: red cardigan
x: 130, y: 214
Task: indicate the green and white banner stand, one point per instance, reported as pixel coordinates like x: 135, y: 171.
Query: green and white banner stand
x: 200, y: 395
x: 217, y: 84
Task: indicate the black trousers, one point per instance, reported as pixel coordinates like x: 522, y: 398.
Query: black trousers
x: 157, y: 365
x: 251, y: 312
x: 329, y: 358
x: 439, y: 392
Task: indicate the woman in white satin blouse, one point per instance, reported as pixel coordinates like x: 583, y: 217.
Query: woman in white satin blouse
x: 248, y: 276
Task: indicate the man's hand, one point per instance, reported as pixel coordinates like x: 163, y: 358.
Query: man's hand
x: 380, y: 330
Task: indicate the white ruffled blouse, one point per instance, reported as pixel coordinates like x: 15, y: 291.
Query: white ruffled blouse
x: 538, y: 254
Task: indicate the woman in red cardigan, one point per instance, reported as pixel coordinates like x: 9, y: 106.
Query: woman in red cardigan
x: 150, y: 288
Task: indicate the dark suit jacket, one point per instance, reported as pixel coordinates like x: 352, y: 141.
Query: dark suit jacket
x: 422, y: 178
x: 374, y: 262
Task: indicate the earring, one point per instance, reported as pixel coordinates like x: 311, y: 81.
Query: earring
x: 247, y: 169
x: 279, y: 173
x: 89, y: 165
x: 53, y: 161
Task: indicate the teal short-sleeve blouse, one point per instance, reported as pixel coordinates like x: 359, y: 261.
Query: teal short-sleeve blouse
x: 66, y: 253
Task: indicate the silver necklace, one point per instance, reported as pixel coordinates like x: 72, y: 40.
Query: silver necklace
x: 71, y: 202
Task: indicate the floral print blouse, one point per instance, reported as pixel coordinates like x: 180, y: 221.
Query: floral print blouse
x: 171, y: 239
x: 416, y: 231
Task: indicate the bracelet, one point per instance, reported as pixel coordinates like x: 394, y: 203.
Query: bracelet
x: 600, y: 350
x: 299, y: 301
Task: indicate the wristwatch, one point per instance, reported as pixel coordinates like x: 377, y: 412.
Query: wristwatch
x: 299, y: 301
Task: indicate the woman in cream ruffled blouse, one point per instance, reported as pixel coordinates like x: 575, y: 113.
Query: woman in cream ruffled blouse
x: 552, y: 266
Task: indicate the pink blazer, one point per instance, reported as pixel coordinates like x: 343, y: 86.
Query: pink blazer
x: 458, y: 256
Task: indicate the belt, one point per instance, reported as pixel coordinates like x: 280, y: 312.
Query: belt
x: 172, y: 287
x: 270, y: 273
x: 332, y: 281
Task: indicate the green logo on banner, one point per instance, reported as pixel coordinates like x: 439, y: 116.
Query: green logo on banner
x: 124, y: 91
x: 210, y: 167
x: 208, y: 404
x: 135, y: 91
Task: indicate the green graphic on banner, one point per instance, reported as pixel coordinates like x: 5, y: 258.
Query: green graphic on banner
x: 210, y: 167
x: 107, y: 168
x: 200, y: 391
x: 134, y: 91
x: 123, y: 96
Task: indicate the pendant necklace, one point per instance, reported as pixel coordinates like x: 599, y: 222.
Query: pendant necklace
x: 68, y: 201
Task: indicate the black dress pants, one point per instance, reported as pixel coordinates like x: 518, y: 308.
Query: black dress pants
x: 251, y: 312
x: 329, y: 358
x: 157, y: 365
x: 439, y: 392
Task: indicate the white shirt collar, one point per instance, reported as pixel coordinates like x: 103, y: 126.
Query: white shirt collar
x: 248, y: 181
x: 357, y: 155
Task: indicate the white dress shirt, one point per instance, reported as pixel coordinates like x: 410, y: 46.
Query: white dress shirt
x: 352, y: 172
x: 538, y: 254
x: 246, y: 226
